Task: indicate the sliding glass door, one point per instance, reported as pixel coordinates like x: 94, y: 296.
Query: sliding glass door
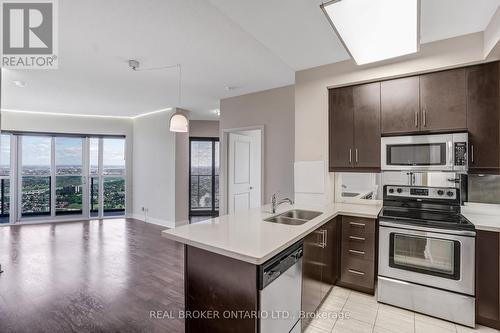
x: 59, y: 177
x: 204, y: 177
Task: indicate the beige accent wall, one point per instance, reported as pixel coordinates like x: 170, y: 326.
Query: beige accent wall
x: 204, y: 128
x: 311, y: 88
x: 274, y: 109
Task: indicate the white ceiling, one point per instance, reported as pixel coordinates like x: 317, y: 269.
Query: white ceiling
x: 250, y: 45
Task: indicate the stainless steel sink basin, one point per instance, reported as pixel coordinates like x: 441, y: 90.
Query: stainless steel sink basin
x: 294, y: 217
x: 350, y: 194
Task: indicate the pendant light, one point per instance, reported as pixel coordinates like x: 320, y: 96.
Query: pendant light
x: 179, y: 122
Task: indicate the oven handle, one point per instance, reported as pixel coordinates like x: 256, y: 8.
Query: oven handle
x: 418, y: 230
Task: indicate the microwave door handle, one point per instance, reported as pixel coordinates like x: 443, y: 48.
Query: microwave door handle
x: 450, y: 154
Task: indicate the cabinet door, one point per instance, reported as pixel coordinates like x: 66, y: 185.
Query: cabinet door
x: 312, y: 273
x: 400, y: 105
x: 482, y: 117
x: 367, y: 126
x: 443, y: 100
x: 488, y: 278
x: 331, y: 252
x: 341, y: 128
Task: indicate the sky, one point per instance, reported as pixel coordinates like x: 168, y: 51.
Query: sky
x: 36, y: 151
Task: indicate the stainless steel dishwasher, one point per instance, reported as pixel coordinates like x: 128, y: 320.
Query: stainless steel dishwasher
x: 280, y: 291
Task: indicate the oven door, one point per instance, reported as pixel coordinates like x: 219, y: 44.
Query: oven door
x: 427, y: 256
x: 421, y: 152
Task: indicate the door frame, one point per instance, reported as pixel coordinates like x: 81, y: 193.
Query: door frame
x: 224, y: 169
x: 213, y: 211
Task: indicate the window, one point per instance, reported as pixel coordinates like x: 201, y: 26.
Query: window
x: 4, y: 178
x: 204, y: 176
x: 113, y: 177
x: 61, y: 175
x: 69, y: 185
x: 36, y: 175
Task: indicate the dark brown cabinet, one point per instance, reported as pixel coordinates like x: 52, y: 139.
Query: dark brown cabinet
x: 400, y: 105
x: 488, y: 278
x: 443, y: 101
x: 319, y: 265
x: 354, y: 127
x: 358, y: 259
x: 483, y: 118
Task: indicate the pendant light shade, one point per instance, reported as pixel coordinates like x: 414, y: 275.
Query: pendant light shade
x: 179, y: 123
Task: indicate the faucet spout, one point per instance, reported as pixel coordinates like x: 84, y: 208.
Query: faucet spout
x: 275, y: 202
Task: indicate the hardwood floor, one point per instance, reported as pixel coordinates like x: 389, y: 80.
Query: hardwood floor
x: 91, y: 276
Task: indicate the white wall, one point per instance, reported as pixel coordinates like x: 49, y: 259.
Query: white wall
x: 311, y: 93
x: 14, y: 121
x: 154, y: 169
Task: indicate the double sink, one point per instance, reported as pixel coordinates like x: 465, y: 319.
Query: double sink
x: 294, y: 217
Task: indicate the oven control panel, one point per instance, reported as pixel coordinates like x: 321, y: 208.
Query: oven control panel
x: 422, y: 192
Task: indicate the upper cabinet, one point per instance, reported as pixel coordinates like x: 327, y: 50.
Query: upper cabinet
x: 443, y: 103
x: 462, y: 99
x: 354, y: 122
x: 400, y: 105
x: 432, y: 102
x: 483, y: 118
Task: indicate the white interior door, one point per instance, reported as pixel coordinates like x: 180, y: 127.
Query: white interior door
x: 244, y: 183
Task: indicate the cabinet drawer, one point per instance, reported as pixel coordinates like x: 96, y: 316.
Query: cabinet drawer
x: 358, y: 272
x: 357, y: 226
x: 357, y: 251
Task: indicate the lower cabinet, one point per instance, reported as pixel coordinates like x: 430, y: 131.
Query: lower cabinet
x: 358, y: 254
x: 320, y: 265
x: 488, y: 278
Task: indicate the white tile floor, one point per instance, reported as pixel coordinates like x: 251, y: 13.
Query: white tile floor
x: 365, y: 315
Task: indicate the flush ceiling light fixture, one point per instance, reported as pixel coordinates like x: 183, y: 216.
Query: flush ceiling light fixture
x: 375, y: 30
x: 178, y: 121
x: 20, y: 84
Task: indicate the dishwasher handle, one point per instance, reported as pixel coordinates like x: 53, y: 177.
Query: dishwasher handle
x: 275, y: 267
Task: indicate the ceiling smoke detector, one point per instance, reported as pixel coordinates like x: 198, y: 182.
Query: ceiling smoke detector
x: 134, y: 64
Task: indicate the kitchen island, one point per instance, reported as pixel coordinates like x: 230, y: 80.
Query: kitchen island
x: 223, y: 255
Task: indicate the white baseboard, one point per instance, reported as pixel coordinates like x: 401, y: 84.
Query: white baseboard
x: 152, y: 220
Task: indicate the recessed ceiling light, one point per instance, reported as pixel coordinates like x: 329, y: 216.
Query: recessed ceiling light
x: 230, y: 88
x: 20, y: 84
x: 375, y: 30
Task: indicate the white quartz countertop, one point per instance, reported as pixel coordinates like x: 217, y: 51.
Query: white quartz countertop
x: 483, y: 216
x: 245, y: 236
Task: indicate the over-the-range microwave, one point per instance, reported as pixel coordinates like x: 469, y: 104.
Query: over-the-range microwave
x: 437, y: 152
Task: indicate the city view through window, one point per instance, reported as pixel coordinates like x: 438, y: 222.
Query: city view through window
x: 204, y: 180
x: 65, y: 194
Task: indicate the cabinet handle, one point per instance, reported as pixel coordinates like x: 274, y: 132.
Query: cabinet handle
x: 325, y: 240
x: 424, y: 114
x: 356, y: 155
x: 416, y: 118
x: 355, y: 272
x: 362, y: 239
x: 350, y: 155
x: 357, y: 252
x: 357, y: 224
x: 472, y: 152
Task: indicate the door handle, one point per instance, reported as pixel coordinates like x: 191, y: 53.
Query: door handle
x: 472, y: 153
x: 416, y: 118
x: 424, y: 116
x: 350, y: 155
x: 251, y: 187
x: 357, y: 252
x: 357, y: 224
x: 355, y: 272
x: 362, y: 239
x: 356, y: 155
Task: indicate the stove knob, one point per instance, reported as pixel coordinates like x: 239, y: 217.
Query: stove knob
x: 391, y: 190
x: 440, y: 192
x: 449, y: 193
x: 399, y: 190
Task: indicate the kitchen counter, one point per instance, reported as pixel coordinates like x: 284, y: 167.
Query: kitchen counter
x: 483, y: 216
x: 246, y: 237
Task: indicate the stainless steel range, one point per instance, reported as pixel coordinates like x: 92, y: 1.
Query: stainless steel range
x: 426, y: 253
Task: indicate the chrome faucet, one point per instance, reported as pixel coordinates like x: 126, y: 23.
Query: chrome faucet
x: 275, y: 202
